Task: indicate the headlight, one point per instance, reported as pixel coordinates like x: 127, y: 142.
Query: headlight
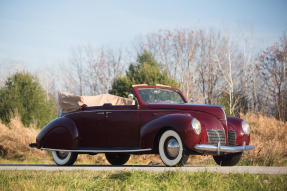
x: 196, y: 126
x: 245, y: 127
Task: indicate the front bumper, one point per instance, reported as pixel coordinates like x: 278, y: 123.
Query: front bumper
x: 224, y: 149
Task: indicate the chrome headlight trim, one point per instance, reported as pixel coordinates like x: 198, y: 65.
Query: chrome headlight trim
x: 245, y: 127
x: 196, y: 126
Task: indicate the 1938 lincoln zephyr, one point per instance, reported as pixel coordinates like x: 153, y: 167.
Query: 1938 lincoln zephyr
x: 159, y: 122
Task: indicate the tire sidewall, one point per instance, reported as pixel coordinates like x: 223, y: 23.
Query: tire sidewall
x: 170, y: 162
x: 59, y: 161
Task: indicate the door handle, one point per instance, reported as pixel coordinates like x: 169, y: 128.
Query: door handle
x: 155, y: 114
x: 107, y: 114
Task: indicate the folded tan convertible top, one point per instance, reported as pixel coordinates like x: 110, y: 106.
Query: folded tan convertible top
x: 69, y: 102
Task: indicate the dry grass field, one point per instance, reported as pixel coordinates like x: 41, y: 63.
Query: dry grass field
x: 14, y: 141
x: 268, y: 135
x: 270, y: 139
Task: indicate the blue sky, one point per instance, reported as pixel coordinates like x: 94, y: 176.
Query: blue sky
x: 41, y: 33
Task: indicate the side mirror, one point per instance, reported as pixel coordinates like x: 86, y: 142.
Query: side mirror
x: 131, y: 96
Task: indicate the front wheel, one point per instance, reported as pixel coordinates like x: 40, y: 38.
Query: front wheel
x: 228, y: 160
x: 63, y: 158
x: 117, y: 158
x: 171, y: 150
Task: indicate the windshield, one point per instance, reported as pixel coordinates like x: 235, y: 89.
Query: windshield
x: 160, y: 95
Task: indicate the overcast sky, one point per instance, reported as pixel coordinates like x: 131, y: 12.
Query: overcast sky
x: 41, y: 33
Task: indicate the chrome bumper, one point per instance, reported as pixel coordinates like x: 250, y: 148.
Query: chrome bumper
x: 224, y: 149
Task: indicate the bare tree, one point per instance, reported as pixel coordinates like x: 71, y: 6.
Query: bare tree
x: 273, y: 72
x: 249, y: 74
x: 228, y: 59
x: 90, y: 71
x: 177, y: 51
x: 207, y: 64
x: 48, y: 79
x: 207, y: 69
x: 103, y: 67
x: 195, y: 59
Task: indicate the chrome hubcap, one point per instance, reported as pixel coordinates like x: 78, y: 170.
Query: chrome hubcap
x: 62, y: 154
x: 172, y: 147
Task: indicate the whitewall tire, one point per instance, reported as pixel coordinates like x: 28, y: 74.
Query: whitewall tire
x: 171, y: 149
x: 64, y: 158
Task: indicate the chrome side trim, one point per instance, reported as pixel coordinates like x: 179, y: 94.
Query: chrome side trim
x: 98, y: 150
x: 213, y: 105
x: 225, y: 149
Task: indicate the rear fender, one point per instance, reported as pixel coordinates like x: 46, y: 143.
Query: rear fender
x: 181, y: 123
x: 61, y: 133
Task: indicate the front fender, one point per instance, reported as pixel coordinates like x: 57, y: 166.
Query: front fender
x: 181, y: 123
x: 61, y: 133
x: 234, y: 123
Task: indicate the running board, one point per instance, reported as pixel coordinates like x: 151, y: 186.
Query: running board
x: 98, y: 150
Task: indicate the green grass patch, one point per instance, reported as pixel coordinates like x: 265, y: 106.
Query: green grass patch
x: 137, y: 180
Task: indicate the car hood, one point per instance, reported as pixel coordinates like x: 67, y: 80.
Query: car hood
x: 215, y: 110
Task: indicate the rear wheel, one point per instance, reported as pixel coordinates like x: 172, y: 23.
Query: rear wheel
x: 171, y: 149
x: 228, y: 160
x: 117, y: 158
x: 63, y: 158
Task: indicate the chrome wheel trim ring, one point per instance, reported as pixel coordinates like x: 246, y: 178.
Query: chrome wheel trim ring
x: 166, y: 160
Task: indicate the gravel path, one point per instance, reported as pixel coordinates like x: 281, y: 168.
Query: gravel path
x: 235, y: 169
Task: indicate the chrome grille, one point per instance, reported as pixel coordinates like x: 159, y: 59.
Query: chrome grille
x: 231, y: 138
x: 214, y: 136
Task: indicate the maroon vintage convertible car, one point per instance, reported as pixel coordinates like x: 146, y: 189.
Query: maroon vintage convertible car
x: 160, y: 122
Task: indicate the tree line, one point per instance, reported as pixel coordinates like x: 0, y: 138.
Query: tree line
x: 208, y: 66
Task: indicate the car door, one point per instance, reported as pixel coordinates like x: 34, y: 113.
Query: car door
x: 91, y: 128
x: 122, y: 127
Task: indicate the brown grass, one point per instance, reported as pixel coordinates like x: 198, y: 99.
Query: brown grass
x: 268, y: 135
x: 14, y: 141
x: 270, y: 139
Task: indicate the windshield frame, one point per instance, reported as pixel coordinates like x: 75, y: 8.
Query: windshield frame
x: 141, y: 102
